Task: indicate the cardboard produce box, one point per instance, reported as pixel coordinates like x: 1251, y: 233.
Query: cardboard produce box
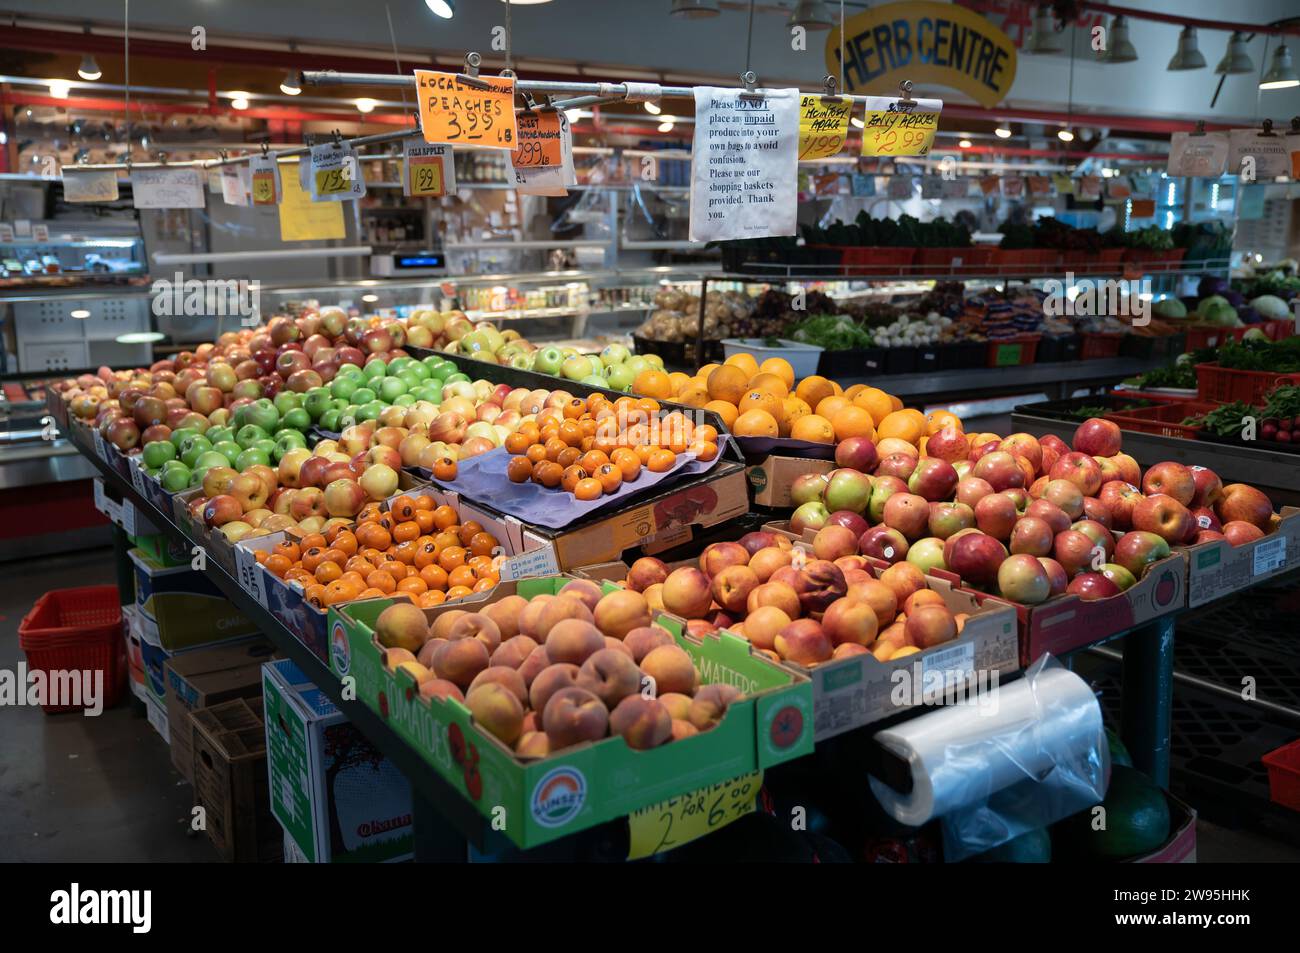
x: 1217, y: 569
x: 337, y: 797
x: 186, y: 606
x: 230, y: 782
x: 772, y: 479
x: 586, y: 784
x: 206, y: 677
x: 120, y: 510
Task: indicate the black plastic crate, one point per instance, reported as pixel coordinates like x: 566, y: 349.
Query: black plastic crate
x: 927, y: 357
x: 1067, y: 409
x: 1052, y: 350
x: 1149, y: 348
x: 851, y: 362
x: 955, y: 357
x: 900, y: 360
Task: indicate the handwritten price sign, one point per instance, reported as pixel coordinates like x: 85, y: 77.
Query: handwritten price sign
x: 458, y: 112
x: 897, y: 128
x: 540, y: 141
x: 681, y: 820
x: 335, y: 175
x: 823, y: 126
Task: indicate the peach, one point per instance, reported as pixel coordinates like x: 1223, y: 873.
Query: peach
x: 686, y: 592
x: 718, y: 556
x: 642, y: 722
x: 530, y: 619
x: 396, y: 658
x: 532, y: 666
x: 646, y: 572
x: 904, y: 579
x: 425, y: 656
x: 497, y: 710
x: 584, y: 590
x: 533, y: 744
x: 922, y: 597
x: 678, y: 705
x: 654, y: 597
x: 683, y: 729
x: 732, y: 586
x: 819, y: 584
x: 402, y: 625
x: 850, y: 621
x: 532, y: 720
x: 763, y: 624
x: 561, y: 609
x: 572, y: 716
x: 768, y: 560
x: 505, y: 677
x: 672, y: 669
x: 930, y: 625
x: 475, y: 625
x: 573, y: 640
x: 549, y: 681
x: 512, y: 652
x: 460, y: 661
x: 878, y: 595
x: 505, y: 613
x: 617, y: 645
x: 640, y: 641
x: 833, y: 541
x: 711, y: 703
x: 845, y: 649
x: 610, y: 675
x: 441, y: 628
x: 804, y: 642
x: 442, y: 689
x: 775, y: 594
x: 618, y: 613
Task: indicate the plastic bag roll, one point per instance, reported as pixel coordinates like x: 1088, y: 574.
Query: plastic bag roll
x: 1046, y: 723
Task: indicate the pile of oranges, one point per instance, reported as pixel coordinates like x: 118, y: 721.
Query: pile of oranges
x: 591, y: 446
x: 763, y: 400
x: 414, y: 547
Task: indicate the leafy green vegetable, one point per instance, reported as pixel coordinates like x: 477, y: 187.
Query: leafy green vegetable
x: 831, y: 332
x: 1224, y: 421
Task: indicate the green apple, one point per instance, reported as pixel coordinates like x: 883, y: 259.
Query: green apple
x: 229, y: 449
x: 375, y: 369
x: 267, y: 446
x: 548, y: 360
x: 157, y: 452
x: 316, y: 401
x: 262, y: 413
x: 522, y: 362
x: 175, y: 479
x: 344, y: 387
x: 406, y: 400
x: 636, y: 364
x: 577, y: 367
x: 430, y: 392
x: 286, y: 401
x: 250, y: 458
x: 455, y: 378
x: 655, y: 361
x: 289, y: 440
x: 330, y: 420
x: 594, y: 380
x: 398, y: 364
x: 218, y: 434
x: 391, y: 388
x: 363, y: 395
x: 419, y: 370
x: 619, y: 377
x: 370, y: 411
x: 211, y: 458
x: 614, y: 354
x: 250, y: 432
x: 178, y: 437
x: 297, y: 419
x: 191, y: 447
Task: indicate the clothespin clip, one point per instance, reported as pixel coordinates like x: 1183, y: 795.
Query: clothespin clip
x: 469, y: 76
x: 1200, y: 128
x: 162, y: 157
x: 1267, y: 130
x: 905, y: 93
x: 830, y: 83
x: 265, y: 150
x: 750, y: 80
x: 338, y: 140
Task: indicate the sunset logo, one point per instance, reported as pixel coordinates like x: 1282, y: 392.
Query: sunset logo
x: 339, y: 649
x: 558, y: 797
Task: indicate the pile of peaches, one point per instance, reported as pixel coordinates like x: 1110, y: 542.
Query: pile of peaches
x: 414, y: 547
x: 797, y: 607
x: 547, y: 673
x: 1021, y: 517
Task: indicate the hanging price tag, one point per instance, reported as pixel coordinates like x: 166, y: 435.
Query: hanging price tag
x: 823, y: 126
x: 235, y: 185
x: 681, y: 820
x: 540, y: 144
x: 540, y: 177
x: 335, y: 174
x: 458, y: 112
x: 430, y: 170
x: 89, y: 186
x: 250, y: 575
x: 265, y: 172
x: 897, y: 128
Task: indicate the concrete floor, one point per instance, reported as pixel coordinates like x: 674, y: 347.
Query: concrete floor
x: 74, y: 788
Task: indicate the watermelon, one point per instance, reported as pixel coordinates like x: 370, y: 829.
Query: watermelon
x: 1136, y: 821
x: 1031, y: 847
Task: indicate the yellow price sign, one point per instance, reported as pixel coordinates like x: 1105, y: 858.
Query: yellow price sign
x: 894, y: 127
x: 681, y: 820
x: 332, y: 181
x: 264, y: 188
x: 426, y: 176
x: 823, y: 126
x: 461, y: 110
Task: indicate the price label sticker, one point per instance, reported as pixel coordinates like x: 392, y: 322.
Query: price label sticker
x: 541, y: 141
x: 1269, y: 555
x: 681, y: 820
x: 137, y: 476
x: 101, y: 447
x: 458, y: 110
x: 335, y: 174
x: 893, y: 127
x: 823, y: 126
x: 250, y: 575
x: 430, y: 170
x: 535, y: 562
x: 265, y: 175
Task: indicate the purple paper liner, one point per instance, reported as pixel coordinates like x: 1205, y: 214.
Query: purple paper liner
x: 482, y: 479
x: 754, y: 447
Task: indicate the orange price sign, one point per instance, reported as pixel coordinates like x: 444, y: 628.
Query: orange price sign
x: 458, y: 110
x: 541, y: 141
x: 897, y: 128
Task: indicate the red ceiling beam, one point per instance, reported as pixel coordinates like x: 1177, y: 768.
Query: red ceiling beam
x: 1223, y: 25
x: 277, y: 113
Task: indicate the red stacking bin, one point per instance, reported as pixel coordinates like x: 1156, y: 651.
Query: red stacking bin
x: 77, y: 630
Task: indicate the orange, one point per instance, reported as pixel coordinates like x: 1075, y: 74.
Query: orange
x: 781, y: 368
x: 813, y: 428
x: 762, y: 400
x: 704, y: 450
x: 727, y: 383
x: 850, y: 421
x: 770, y: 383
x: 434, y: 576
x: 854, y: 391
x: 828, y: 406
x: 794, y: 409
x: 679, y: 380
x: 874, y: 401
x: 661, y: 461
x: 431, y: 598
x: 904, y: 425
x: 693, y: 395
x: 745, y: 362
x: 756, y: 423
x: 938, y: 419
x: 895, y: 403
x: 652, y: 383
x: 706, y: 370
x: 724, y: 409
x: 813, y: 390
x: 459, y: 592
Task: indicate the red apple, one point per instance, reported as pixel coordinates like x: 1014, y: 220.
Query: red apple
x: 1000, y: 469
x: 1164, y: 516
x: 1075, y: 551
x: 1032, y: 536
x: 1026, y: 446
x: 1090, y: 586
x: 1204, y: 518
x: 948, y: 444
x: 949, y: 518
x: 971, y: 489
x: 1119, y: 498
x: 1066, y: 494
x: 857, y: 453
x: 1049, y: 513
x: 1243, y: 502
x: 1055, y: 574
x: 1097, y: 511
x: 995, y: 515
x: 1137, y: 550
x: 1129, y: 471
x: 1022, y: 578
x: 1239, y: 532
x: 883, y: 542
x: 1098, y: 438
x: 976, y: 558
x: 1081, y: 470
x: 934, y: 479
x: 1098, y: 533
x: 908, y: 513
x: 1208, y: 487
x: 898, y: 465
x: 1170, y: 479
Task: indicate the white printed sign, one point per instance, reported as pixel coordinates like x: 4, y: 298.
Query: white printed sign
x: 249, y: 574
x: 236, y: 184
x: 167, y: 188
x: 335, y: 174
x: 1268, y: 154
x: 548, y: 180
x: 1269, y: 555
x: 41, y: 233
x: 744, y: 163
x: 535, y: 562
x: 6, y: 232
x: 89, y: 186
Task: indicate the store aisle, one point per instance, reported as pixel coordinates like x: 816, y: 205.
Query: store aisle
x: 74, y: 788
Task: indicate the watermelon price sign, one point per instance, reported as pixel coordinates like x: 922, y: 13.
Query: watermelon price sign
x: 895, y: 127
x: 681, y: 820
x: 458, y: 111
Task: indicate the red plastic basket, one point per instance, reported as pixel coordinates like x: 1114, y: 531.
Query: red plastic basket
x: 1226, y: 384
x: 873, y: 260
x: 1284, y: 775
x: 1097, y: 346
x: 1209, y: 335
x: 72, y: 630
x: 1164, y: 420
x: 1013, y: 352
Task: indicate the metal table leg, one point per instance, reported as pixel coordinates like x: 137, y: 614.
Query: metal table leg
x: 125, y: 568
x: 1148, y: 695
x: 436, y: 841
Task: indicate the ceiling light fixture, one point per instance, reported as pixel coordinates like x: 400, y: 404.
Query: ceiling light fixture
x: 1065, y: 135
x: 695, y: 9
x: 1119, y: 48
x: 445, y: 9
x: 668, y: 123
x: 1044, y: 37
x: 811, y: 15
x: 289, y: 85
x: 1236, y: 59
x: 1188, y: 55
x: 80, y: 314
x: 370, y: 298
x: 365, y: 104
x: 139, y: 337
x: 965, y: 143
x: 238, y: 99
x: 89, y: 69
x: 59, y: 88
x: 653, y: 109
x: 1281, y: 73
x: 1002, y: 132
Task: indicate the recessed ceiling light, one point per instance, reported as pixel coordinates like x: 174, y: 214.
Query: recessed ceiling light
x: 1002, y: 132
x: 1065, y: 135
x: 59, y: 88
x: 652, y: 108
x: 965, y: 143
x: 445, y: 9
x: 89, y: 69
x: 80, y: 314
x: 370, y: 299
x: 667, y: 124
x: 139, y: 337
x: 365, y: 104
x: 238, y: 99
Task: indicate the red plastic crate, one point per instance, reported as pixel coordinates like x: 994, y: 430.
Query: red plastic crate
x: 1013, y: 352
x: 1096, y: 346
x: 1210, y: 335
x: 878, y: 260
x: 1227, y: 384
x: 1165, y: 420
x: 77, y: 630
x: 1284, y: 775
